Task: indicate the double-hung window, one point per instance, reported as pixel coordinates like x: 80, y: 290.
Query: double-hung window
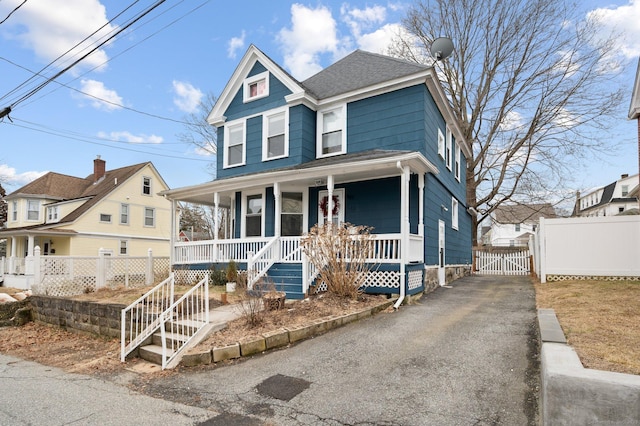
x: 275, y: 143
x: 447, y: 155
x: 440, y: 143
x: 454, y: 213
x: 457, y: 163
x: 234, y: 143
x: 149, y: 216
x: 146, y: 185
x: 256, y: 87
x: 33, y: 210
x: 332, y: 132
x: 292, y: 214
x: 124, y: 214
x: 52, y: 214
x: 124, y: 247
x: 14, y: 212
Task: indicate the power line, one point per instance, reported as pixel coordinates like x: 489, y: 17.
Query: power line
x: 12, y: 12
x: 80, y: 139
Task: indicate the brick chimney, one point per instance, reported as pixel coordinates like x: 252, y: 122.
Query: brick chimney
x: 99, y: 169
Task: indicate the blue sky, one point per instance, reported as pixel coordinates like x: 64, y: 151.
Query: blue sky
x: 155, y: 72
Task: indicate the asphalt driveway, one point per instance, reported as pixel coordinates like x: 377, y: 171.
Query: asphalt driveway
x: 465, y: 355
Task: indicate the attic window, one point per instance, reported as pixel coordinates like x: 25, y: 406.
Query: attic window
x: 256, y: 87
x: 146, y: 185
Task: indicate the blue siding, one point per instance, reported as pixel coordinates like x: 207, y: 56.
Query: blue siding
x: 392, y: 121
x: 374, y: 203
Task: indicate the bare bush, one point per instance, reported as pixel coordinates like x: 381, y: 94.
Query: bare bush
x: 340, y: 254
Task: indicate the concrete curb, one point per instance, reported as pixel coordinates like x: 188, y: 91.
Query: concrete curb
x: 572, y: 394
x: 278, y: 338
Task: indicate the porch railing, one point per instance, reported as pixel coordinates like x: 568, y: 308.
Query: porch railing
x: 386, y: 249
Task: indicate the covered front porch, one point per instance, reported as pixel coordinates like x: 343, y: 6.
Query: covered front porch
x: 268, y: 213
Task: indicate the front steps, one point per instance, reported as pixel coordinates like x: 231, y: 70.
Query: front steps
x: 287, y: 277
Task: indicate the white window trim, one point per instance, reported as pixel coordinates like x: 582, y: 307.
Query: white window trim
x: 225, y: 154
x: 105, y: 221
x: 448, y: 150
x: 457, y: 164
x: 440, y: 144
x: 38, y: 211
x: 343, y: 108
x: 128, y: 214
x: 14, y: 213
x: 339, y: 193
x: 144, y: 217
x: 126, y: 248
x: 150, y: 194
x: 454, y: 213
x: 54, y: 212
x: 250, y: 80
x: 265, y: 134
x: 244, y: 208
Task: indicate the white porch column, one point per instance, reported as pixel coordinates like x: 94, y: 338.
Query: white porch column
x: 421, y: 205
x: 30, y: 245
x: 404, y: 229
x: 216, y: 214
x: 12, y: 259
x: 174, y: 233
x: 330, y: 199
x: 14, y: 243
x: 28, y: 261
x: 277, y: 195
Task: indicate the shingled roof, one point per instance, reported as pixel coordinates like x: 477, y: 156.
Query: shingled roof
x: 59, y: 187
x: 523, y: 213
x: 358, y: 70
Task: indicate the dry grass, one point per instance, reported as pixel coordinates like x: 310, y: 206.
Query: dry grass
x: 601, y: 320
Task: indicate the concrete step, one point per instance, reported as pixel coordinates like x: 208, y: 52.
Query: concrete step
x: 175, y: 337
x: 153, y: 353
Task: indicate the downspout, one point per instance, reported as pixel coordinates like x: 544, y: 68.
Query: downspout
x: 404, y: 216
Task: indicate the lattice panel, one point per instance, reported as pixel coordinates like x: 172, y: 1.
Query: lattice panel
x: 127, y: 271
x: 189, y: 276
x: 161, y: 268
x: 386, y: 279
x: 552, y: 278
x: 415, y: 279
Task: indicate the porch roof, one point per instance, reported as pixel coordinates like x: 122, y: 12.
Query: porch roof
x: 46, y: 229
x: 359, y: 166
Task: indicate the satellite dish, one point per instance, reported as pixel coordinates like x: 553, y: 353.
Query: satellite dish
x: 441, y: 48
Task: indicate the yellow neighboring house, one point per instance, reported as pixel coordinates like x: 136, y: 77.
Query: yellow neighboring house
x: 117, y: 210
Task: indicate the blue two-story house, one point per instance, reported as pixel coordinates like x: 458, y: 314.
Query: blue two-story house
x: 370, y: 140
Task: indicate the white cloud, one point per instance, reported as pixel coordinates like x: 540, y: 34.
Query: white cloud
x: 9, y: 176
x: 129, y: 137
x: 512, y: 120
x: 312, y: 32
x: 361, y: 19
x: 234, y: 44
x: 379, y: 40
x: 187, y: 97
x: 52, y: 27
x: 100, y: 96
x: 622, y: 20
x: 203, y: 152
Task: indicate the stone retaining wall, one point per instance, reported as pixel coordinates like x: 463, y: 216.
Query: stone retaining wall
x: 98, y: 318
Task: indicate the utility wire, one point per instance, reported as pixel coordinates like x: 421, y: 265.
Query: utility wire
x: 59, y: 73
x: 12, y: 12
x: 50, y: 64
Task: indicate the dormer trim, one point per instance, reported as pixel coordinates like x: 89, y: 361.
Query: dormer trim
x: 236, y: 82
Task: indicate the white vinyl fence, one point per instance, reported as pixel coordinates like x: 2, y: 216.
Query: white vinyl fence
x: 65, y: 276
x: 502, y: 262
x: 587, y: 247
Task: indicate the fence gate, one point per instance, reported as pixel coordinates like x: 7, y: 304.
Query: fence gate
x: 502, y: 262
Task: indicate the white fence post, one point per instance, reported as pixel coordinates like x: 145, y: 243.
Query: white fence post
x: 542, y: 249
x: 101, y: 270
x: 149, y: 272
x: 37, y: 271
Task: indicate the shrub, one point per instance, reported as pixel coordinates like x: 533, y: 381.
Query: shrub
x: 340, y: 253
x: 217, y: 276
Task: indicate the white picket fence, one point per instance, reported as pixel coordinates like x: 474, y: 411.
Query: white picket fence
x: 502, y: 263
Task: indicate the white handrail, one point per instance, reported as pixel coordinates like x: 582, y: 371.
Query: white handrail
x: 141, y: 319
x: 259, y: 264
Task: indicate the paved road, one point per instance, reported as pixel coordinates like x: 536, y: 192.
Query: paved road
x: 465, y: 355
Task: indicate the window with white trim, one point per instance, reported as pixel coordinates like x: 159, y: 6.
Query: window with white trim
x: 33, y: 209
x: 292, y: 214
x: 105, y: 218
x: 146, y: 185
x: 457, y: 163
x: 440, y: 144
x: 275, y: 131
x: 124, y: 247
x: 253, y: 217
x: 14, y: 212
x: 149, y: 216
x: 234, y: 144
x: 625, y: 190
x: 454, y: 213
x: 52, y: 214
x: 447, y: 155
x: 256, y: 87
x: 332, y: 131
x: 124, y: 214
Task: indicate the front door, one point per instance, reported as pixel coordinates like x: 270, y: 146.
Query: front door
x: 337, y: 212
x: 441, y: 270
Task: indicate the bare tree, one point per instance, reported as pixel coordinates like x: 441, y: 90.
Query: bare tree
x: 528, y: 81
x: 198, y: 132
